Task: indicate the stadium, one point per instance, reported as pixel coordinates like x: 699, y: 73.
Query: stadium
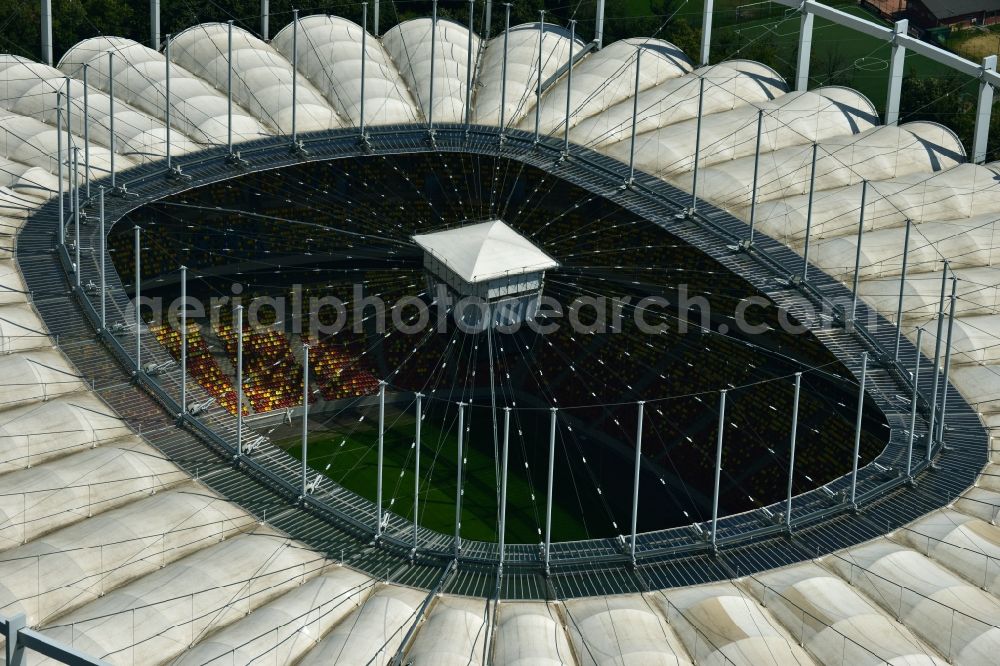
x: 413, y: 346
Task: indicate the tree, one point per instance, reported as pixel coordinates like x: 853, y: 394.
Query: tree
x: 833, y: 68
x: 525, y: 11
x: 72, y: 21
x: 942, y: 100
x: 680, y: 33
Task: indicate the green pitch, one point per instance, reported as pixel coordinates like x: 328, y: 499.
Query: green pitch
x: 346, y: 451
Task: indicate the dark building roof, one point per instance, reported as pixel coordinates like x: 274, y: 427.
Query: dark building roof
x: 945, y: 9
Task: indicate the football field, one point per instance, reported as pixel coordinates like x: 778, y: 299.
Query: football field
x: 346, y: 450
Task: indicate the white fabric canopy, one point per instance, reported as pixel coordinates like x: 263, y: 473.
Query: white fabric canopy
x: 197, y: 109
x: 120, y: 540
x: 262, y: 77
x: 409, y: 44
x: 522, y: 71
x: 606, y: 78
x: 330, y: 56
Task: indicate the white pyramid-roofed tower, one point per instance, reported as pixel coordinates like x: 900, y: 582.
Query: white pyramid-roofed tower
x: 484, y: 251
x: 491, y: 268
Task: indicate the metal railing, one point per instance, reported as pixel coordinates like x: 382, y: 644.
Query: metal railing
x: 600, y: 172
x: 901, y: 41
x: 20, y: 640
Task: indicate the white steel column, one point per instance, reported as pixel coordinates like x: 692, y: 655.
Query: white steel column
x: 913, y: 406
x: 375, y: 13
x: 538, y: 86
x: 791, y: 451
x: 697, y: 144
x: 947, y: 358
x: 103, y: 244
x: 503, y: 72
x: 416, y: 471
x: 295, y: 78
x: 154, y: 24
x: 931, y: 431
x: 902, y: 287
x: 364, y: 59
x: 756, y: 172
x: 229, y: 87
x: 635, y: 113
x: 718, y: 467
x: 706, y: 32
x: 138, y: 307
x: 896, y: 62
x: 59, y: 169
x: 70, y: 143
x: 857, y: 252
x: 380, y: 458
x: 86, y: 130
x: 984, y: 107
x: 503, y: 483
x: 599, y: 25
x: 75, y: 195
x: 305, y: 419
x: 430, y: 95
x: 111, y: 117
x: 857, y: 426
x: 458, y: 479
x: 166, y: 85
x: 635, y: 479
x: 569, y: 86
x: 46, y: 12
x: 265, y: 20
x: 809, y: 213
x: 184, y: 334
x: 548, y: 489
x: 805, y: 50
x: 239, y: 380
x: 468, y: 67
